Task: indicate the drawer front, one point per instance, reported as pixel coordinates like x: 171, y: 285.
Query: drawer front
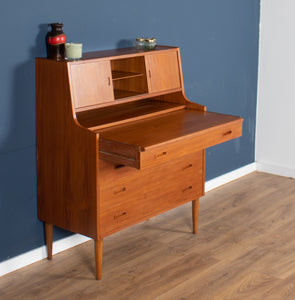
x: 114, y: 173
x: 139, y: 195
x: 155, y: 155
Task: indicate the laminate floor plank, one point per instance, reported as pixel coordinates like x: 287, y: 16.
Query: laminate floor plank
x: 244, y: 249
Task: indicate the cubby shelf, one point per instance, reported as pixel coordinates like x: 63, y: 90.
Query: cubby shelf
x: 120, y: 94
x: 128, y: 77
x: 119, y: 75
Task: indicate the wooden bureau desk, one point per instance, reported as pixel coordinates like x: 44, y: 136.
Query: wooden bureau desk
x: 118, y: 142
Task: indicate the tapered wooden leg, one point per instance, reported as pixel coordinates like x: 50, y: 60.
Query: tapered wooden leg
x: 195, y: 213
x: 98, y: 258
x: 49, y: 239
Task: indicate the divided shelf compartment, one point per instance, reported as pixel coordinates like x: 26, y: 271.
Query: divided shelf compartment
x: 129, y: 77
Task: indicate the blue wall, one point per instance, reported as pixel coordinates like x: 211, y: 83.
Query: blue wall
x: 219, y: 47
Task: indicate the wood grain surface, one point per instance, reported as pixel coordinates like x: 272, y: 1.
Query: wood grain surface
x: 162, y: 71
x: 91, y: 83
x: 149, y: 142
x: 168, y: 127
x: 67, y: 156
x: 244, y: 249
x: 123, y: 113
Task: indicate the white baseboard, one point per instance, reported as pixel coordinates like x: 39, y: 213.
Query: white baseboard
x: 230, y: 176
x: 277, y: 170
x: 40, y: 253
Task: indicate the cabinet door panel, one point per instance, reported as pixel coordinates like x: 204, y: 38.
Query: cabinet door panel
x: 91, y: 83
x: 162, y: 71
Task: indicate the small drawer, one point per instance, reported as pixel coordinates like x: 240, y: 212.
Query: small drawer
x: 179, y: 194
x: 154, y: 155
x: 120, y: 217
x: 111, y: 174
x: 120, y: 194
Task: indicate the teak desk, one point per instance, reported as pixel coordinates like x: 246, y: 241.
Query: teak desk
x: 118, y: 142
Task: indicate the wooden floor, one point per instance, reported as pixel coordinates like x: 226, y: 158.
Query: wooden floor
x: 245, y: 249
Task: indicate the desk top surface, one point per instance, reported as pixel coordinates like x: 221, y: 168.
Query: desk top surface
x: 171, y: 126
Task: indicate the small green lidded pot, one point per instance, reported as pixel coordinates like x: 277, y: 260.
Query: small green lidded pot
x: 140, y: 43
x: 150, y: 44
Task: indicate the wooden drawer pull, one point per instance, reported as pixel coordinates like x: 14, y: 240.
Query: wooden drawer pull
x: 123, y: 189
x: 227, y: 133
x: 122, y: 214
x: 187, y: 188
x: 119, y: 166
x: 160, y: 154
x: 187, y: 167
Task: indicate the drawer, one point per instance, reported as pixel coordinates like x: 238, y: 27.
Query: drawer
x: 150, y: 142
x: 121, y: 217
x: 154, y: 190
x: 154, y: 155
x: 112, y: 173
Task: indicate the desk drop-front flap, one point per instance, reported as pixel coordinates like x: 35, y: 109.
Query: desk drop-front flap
x: 147, y: 142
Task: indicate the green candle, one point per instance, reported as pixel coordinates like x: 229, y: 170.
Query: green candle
x: 73, y: 50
